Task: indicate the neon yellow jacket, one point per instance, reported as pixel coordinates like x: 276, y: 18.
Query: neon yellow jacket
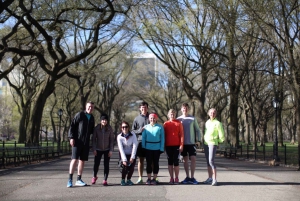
x: 214, y: 132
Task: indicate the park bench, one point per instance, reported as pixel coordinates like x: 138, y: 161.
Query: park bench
x: 227, y: 150
x: 50, y: 151
x: 23, y: 155
x: 230, y: 151
x: 11, y: 156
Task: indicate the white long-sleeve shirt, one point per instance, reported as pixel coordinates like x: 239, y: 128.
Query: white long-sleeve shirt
x: 127, y: 146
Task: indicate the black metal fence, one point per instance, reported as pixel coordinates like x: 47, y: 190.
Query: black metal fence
x: 287, y: 155
x: 13, y: 153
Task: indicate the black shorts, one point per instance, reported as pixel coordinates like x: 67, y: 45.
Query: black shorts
x: 140, y: 152
x: 80, y: 152
x: 189, y: 149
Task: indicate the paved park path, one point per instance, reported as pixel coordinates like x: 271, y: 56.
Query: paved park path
x: 238, y: 180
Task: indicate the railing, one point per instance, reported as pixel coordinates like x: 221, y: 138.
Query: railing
x: 16, y: 153
x: 287, y: 155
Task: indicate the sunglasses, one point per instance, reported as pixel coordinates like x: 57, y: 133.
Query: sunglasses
x: 124, y: 126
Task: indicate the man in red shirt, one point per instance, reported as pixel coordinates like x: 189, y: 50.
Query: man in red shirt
x: 174, y: 139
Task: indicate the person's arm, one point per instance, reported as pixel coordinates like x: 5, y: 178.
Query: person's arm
x: 94, y: 140
x: 197, y: 131
x: 111, y: 140
x: 144, y: 138
x: 135, y: 127
x: 181, y: 136
x: 162, y: 139
x: 73, y: 131
x: 121, y: 149
x: 134, y: 146
x: 221, y: 133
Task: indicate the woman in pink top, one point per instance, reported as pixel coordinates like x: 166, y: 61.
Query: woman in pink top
x: 174, y: 139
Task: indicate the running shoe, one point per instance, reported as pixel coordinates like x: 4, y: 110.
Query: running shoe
x: 193, y: 181
x: 123, y: 183
x: 140, y: 181
x: 104, y: 183
x: 157, y: 181
x: 153, y: 182
x: 80, y: 183
x: 176, y: 181
x: 94, y: 179
x: 129, y: 182
x: 214, y: 183
x: 186, y: 180
x: 148, y: 182
x: 70, y: 183
x: 171, y: 181
x: 208, y: 181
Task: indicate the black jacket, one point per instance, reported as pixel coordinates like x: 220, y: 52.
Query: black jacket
x: 81, y: 128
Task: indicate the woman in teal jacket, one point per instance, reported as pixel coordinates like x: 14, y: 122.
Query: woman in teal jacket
x: 153, y: 140
x: 214, y: 134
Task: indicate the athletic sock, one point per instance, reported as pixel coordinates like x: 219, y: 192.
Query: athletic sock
x: 78, y: 177
x: 71, y: 176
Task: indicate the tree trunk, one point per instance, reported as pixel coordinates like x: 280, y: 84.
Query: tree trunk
x: 37, y: 113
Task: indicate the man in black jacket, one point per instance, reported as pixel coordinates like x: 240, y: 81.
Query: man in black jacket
x: 82, y: 126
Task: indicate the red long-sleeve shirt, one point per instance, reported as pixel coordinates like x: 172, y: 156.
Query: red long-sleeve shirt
x: 173, y: 133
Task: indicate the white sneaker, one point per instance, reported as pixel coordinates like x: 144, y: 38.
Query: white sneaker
x: 80, y: 183
x: 214, y: 183
x: 208, y: 181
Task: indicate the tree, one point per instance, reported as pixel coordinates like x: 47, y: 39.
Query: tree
x: 48, y: 28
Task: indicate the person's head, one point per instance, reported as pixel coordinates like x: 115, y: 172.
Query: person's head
x: 153, y: 118
x: 125, y: 127
x: 89, y: 107
x: 144, y: 108
x: 171, y: 114
x: 212, y: 113
x: 103, y: 119
x: 184, y: 108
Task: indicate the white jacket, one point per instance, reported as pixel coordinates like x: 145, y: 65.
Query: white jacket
x: 127, y: 146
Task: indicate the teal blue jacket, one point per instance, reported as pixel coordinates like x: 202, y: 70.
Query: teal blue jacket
x: 153, y: 137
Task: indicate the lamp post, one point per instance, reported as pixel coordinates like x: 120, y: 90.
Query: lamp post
x: 60, y: 112
x: 276, y: 105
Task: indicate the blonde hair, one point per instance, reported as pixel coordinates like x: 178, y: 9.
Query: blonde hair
x: 211, y: 109
x: 171, y: 111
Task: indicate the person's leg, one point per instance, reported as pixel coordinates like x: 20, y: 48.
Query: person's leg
x: 106, y: 164
x: 141, y: 166
x: 193, y: 165
x: 156, y: 156
x: 80, y: 167
x: 209, y: 170
x: 176, y: 162
x: 130, y: 170
x: 186, y: 166
x: 97, y: 160
x: 72, y: 166
x: 211, y: 159
x: 170, y: 161
x: 149, y: 160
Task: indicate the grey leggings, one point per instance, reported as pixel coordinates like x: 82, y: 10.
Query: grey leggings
x: 210, y: 152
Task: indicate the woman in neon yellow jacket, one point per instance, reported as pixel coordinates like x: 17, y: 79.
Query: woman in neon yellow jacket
x: 214, y: 134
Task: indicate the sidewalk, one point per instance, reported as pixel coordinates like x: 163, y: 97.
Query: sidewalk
x: 238, y: 180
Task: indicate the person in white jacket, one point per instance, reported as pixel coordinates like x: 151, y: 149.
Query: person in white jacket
x: 127, y: 144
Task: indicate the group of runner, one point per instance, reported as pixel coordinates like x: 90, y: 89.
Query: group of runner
x: 146, y: 140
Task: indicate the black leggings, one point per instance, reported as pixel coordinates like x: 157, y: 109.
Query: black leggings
x: 173, y: 154
x: 152, y: 157
x: 129, y: 169
x: 106, y: 163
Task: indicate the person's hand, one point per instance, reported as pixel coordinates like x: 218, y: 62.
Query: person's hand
x: 124, y: 163
x: 72, y: 142
x: 95, y: 153
x: 131, y: 160
x: 109, y: 154
x: 181, y: 148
